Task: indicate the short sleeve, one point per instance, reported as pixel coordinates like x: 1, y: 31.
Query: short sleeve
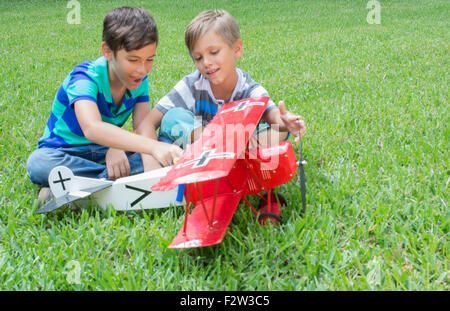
x: 80, y: 87
x: 260, y: 91
x: 180, y: 96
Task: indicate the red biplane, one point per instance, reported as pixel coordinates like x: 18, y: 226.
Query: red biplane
x: 219, y: 170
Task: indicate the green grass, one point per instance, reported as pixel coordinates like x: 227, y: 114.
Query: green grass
x: 375, y: 99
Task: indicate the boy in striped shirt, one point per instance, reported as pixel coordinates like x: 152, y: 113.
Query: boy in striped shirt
x: 214, y: 43
x: 84, y: 130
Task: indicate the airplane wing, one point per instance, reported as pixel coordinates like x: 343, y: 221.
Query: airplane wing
x: 215, y: 203
x: 66, y: 187
x: 216, y: 200
x: 222, y: 141
x: 199, y: 233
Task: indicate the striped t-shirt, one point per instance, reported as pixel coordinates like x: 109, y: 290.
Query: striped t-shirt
x: 194, y: 93
x: 88, y: 80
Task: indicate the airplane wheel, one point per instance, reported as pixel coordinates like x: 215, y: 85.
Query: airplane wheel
x: 273, y: 216
x: 273, y: 199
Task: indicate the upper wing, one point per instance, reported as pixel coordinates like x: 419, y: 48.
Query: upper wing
x: 221, y: 143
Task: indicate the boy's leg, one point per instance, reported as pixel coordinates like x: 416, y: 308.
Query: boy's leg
x: 177, y: 126
x: 85, y: 161
x: 81, y: 160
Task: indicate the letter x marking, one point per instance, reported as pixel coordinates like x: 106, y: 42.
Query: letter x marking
x: 243, y: 105
x: 61, y: 180
x: 205, y: 157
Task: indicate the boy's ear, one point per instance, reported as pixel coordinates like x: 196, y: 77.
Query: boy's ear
x: 106, y: 51
x: 238, y: 48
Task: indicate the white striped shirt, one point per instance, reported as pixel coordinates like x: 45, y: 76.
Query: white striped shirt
x: 194, y: 93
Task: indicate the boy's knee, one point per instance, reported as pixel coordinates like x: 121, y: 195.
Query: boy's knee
x: 176, y: 116
x: 41, y: 162
x: 37, y: 167
x: 177, y: 125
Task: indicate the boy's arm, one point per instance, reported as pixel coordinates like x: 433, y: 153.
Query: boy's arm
x: 112, y: 136
x: 140, y: 112
x: 279, y: 118
x: 286, y: 121
x: 116, y: 159
x: 150, y: 122
x: 145, y: 123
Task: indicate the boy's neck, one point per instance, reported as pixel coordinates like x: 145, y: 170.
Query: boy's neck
x: 225, y: 90
x: 116, y: 87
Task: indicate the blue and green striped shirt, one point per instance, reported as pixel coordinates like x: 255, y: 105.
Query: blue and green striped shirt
x: 88, y: 80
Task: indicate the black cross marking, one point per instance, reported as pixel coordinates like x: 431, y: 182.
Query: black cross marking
x: 243, y: 105
x: 143, y: 196
x: 61, y: 180
x: 205, y: 157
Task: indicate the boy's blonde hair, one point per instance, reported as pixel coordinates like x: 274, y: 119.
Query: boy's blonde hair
x: 219, y: 20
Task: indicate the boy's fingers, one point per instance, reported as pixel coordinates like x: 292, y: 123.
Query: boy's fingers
x: 128, y: 168
x: 177, y: 153
x: 282, y: 107
x: 125, y: 169
x: 112, y: 172
x: 294, y: 118
x: 117, y: 172
x: 122, y: 171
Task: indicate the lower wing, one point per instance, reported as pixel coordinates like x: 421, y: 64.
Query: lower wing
x: 201, y: 230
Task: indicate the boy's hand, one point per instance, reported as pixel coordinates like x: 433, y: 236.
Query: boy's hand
x: 117, y: 163
x: 149, y: 162
x: 294, y: 123
x: 166, y: 153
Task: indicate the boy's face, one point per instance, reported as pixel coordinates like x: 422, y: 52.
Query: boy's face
x: 129, y: 67
x: 216, y: 59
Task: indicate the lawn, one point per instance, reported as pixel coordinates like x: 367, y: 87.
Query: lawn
x: 375, y: 100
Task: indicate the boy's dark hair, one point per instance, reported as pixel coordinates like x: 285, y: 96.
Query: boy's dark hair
x: 129, y: 28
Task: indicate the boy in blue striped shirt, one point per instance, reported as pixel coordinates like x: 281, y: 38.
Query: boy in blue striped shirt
x: 84, y: 130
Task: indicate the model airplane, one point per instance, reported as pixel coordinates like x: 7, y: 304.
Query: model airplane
x: 215, y: 173
x: 219, y: 171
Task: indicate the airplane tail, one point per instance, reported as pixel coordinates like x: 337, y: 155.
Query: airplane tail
x: 67, y: 188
